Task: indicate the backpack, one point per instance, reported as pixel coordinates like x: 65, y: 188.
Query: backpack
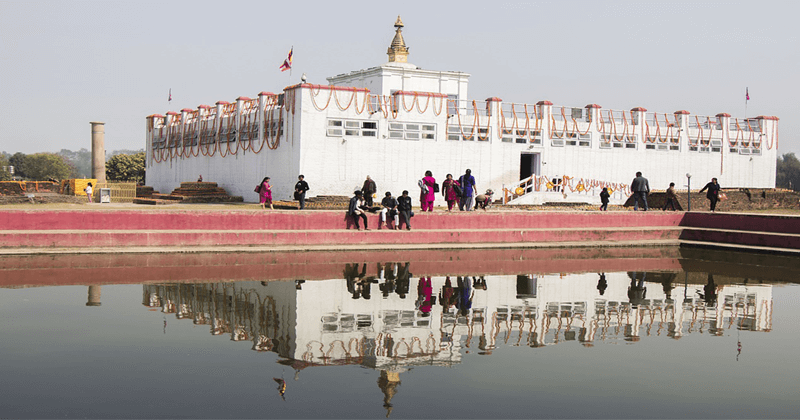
x: 422, y: 186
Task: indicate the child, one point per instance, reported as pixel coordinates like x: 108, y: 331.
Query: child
x: 88, y: 191
x: 604, y: 196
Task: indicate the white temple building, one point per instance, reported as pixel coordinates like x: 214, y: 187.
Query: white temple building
x: 397, y: 120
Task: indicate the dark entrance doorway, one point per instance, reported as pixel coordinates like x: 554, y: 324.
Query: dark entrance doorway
x: 528, y: 164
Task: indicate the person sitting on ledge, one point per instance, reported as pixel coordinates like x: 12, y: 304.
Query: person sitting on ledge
x: 355, y: 209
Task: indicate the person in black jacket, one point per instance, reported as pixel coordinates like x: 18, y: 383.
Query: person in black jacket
x: 300, y: 191
x: 356, y: 211
x: 389, y: 205
x: 713, y: 193
x: 404, y: 208
x: 640, y: 188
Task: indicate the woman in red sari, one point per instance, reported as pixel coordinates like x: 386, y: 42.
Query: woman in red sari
x: 449, y: 191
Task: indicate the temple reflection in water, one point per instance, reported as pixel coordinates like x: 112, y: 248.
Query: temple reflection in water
x: 381, y: 316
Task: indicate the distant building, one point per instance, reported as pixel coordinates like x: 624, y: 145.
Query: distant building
x: 396, y: 121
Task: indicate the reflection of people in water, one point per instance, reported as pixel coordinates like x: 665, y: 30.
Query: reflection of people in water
x: 464, y: 303
x: 425, y: 295
x: 480, y: 283
x: 636, y: 291
x: 447, y: 296
x: 388, y: 274
x: 666, y: 285
x: 403, y: 280
x: 602, y: 284
x: 710, y: 291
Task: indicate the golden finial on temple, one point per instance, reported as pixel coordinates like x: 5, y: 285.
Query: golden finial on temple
x: 398, y: 52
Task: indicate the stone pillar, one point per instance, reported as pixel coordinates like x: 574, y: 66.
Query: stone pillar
x: 545, y: 111
x: 591, y: 113
x: 493, y: 105
x: 98, y: 152
x: 94, y: 296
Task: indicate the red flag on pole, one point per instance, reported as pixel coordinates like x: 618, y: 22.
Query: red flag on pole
x: 287, y: 64
x: 170, y: 95
x: 747, y: 94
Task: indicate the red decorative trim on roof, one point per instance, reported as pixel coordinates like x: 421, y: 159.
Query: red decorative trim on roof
x: 155, y: 116
x: 205, y: 106
x: 682, y: 112
x: 243, y: 98
x: 416, y: 93
x: 187, y: 110
x: 767, y: 117
x: 327, y: 87
x: 544, y: 103
x: 638, y: 108
x: 223, y: 103
x: 173, y: 113
x: 723, y: 114
x: 593, y: 106
x: 494, y: 99
x: 266, y: 94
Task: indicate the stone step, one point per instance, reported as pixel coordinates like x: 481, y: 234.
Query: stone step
x: 258, y: 219
x: 167, y: 197
x: 193, y: 238
x: 152, y: 201
x: 739, y: 237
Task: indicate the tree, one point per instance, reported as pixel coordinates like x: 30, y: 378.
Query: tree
x: 4, y: 174
x: 81, y: 160
x: 788, y: 172
x: 17, y: 160
x: 44, y: 166
x: 126, y: 168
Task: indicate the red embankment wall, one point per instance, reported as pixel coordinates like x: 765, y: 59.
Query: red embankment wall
x: 317, y: 220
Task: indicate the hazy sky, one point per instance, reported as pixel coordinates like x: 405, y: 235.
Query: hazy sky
x: 66, y: 63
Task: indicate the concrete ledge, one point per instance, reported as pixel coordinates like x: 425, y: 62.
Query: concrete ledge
x: 178, y: 238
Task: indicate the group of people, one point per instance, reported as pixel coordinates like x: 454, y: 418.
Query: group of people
x: 640, y: 187
x: 264, y: 190
x: 399, y: 210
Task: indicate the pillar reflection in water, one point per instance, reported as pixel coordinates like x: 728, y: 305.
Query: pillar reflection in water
x: 94, y: 296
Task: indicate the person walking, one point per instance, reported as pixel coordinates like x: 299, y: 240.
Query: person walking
x: 671, y: 197
x: 265, y: 193
x: 404, y: 208
x: 640, y: 188
x: 369, y: 189
x: 427, y: 192
x: 468, y: 191
x: 712, y: 194
x: 300, y: 189
x: 355, y: 210
x: 604, y: 197
x: 451, y: 191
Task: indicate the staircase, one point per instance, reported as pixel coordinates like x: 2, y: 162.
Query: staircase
x: 163, y: 230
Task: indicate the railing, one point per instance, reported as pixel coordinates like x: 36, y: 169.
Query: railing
x: 564, y: 184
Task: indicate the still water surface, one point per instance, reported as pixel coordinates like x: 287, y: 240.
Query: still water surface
x: 386, y: 340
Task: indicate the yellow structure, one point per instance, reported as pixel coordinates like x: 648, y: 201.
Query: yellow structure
x: 76, y: 186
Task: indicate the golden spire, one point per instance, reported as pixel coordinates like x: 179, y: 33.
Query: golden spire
x: 398, y: 52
